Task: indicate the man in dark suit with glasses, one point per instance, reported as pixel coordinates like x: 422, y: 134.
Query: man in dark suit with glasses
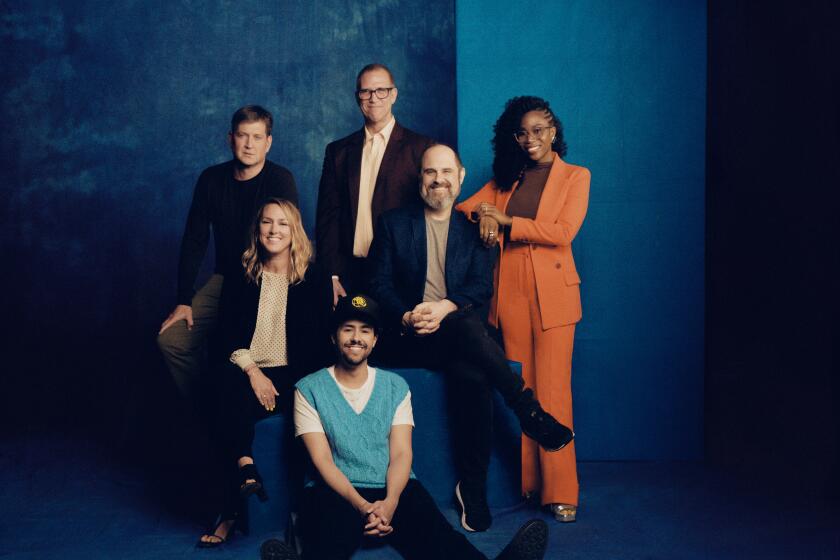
x: 364, y: 174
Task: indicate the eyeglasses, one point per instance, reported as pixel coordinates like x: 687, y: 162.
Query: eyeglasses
x: 537, y: 132
x: 381, y: 93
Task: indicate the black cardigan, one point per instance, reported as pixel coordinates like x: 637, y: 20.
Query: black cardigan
x: 308, y: 317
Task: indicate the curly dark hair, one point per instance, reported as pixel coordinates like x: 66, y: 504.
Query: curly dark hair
x: 509, y: 161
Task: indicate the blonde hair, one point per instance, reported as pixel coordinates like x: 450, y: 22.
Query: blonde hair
x: 300, y: 251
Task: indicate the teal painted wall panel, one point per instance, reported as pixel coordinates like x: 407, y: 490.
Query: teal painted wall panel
x: 628, y: 81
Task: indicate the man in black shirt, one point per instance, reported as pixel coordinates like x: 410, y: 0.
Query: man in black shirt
x: 225, y: 198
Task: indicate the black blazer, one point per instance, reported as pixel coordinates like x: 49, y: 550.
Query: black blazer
x: 398, y: 262
x: 308, y: 316
x: 338, y: 192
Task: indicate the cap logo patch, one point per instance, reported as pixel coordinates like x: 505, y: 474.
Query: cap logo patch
x: 359, y: 302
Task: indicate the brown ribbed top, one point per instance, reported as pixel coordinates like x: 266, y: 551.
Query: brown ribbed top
x: 526, y: 198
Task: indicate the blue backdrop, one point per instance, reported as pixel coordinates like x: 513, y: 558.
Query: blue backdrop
x: 110, y: 112
x: 627, y: 79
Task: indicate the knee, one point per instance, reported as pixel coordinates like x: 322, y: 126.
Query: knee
x: 466, y: 327
x: 172, y: 341
x: 166, y: 342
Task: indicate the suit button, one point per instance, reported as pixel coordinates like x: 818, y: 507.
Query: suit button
x: 556, y: 265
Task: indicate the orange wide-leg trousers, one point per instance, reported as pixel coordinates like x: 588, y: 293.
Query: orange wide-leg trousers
x: 546, y: 357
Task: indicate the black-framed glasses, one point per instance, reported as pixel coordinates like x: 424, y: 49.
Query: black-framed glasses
x: 381, y: 93
x: 522, y: 135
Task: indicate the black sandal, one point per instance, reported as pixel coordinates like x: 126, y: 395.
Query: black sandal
x: 248, y: 489
x: 238, y: 524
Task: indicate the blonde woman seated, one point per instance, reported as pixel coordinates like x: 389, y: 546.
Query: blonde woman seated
x: 273, y: 329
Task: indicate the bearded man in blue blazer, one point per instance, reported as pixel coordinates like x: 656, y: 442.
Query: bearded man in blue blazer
x: 432, y: 277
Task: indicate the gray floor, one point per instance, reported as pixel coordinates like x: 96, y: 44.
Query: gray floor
x: 65, y: 498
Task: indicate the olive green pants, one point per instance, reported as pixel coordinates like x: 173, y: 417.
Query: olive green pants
x: 185, y: 350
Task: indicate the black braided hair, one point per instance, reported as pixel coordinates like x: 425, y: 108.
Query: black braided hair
x: 509, y: 161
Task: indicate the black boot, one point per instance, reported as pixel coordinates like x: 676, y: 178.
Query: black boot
x: 529, y: 543
x: 471, y: 501
x: 539, y: 425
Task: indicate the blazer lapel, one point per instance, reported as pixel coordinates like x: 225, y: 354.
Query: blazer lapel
x: 354, y: 167
x: 418, y: 240
x: 457, y: 233
x: 385, y: 168
x: 554, y: 192
x: 504, y: 197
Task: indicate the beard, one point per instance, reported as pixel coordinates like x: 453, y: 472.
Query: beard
x: 435, y: 199
x: 351, y: 360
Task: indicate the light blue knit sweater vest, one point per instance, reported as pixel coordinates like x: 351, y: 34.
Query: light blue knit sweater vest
x: 359, y: 442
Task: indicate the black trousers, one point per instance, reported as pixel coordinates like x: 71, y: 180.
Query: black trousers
x: 474, y: 365
x: 237, y: 411
x: 333, y: 530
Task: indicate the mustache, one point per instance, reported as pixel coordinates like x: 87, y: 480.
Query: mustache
x: 355, y: 343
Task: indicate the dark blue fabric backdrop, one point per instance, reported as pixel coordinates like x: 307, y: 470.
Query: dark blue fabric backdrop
x: 111, y: 110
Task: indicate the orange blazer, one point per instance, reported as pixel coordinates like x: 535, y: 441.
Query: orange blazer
x: 559, y: 217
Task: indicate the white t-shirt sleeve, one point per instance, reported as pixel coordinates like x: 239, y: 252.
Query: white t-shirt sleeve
x: 404, y: 413
x: 307, y: 420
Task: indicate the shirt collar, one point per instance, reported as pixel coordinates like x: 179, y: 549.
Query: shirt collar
x: 385, y: 132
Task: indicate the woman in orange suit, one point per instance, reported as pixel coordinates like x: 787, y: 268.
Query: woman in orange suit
x: 533, y: 208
